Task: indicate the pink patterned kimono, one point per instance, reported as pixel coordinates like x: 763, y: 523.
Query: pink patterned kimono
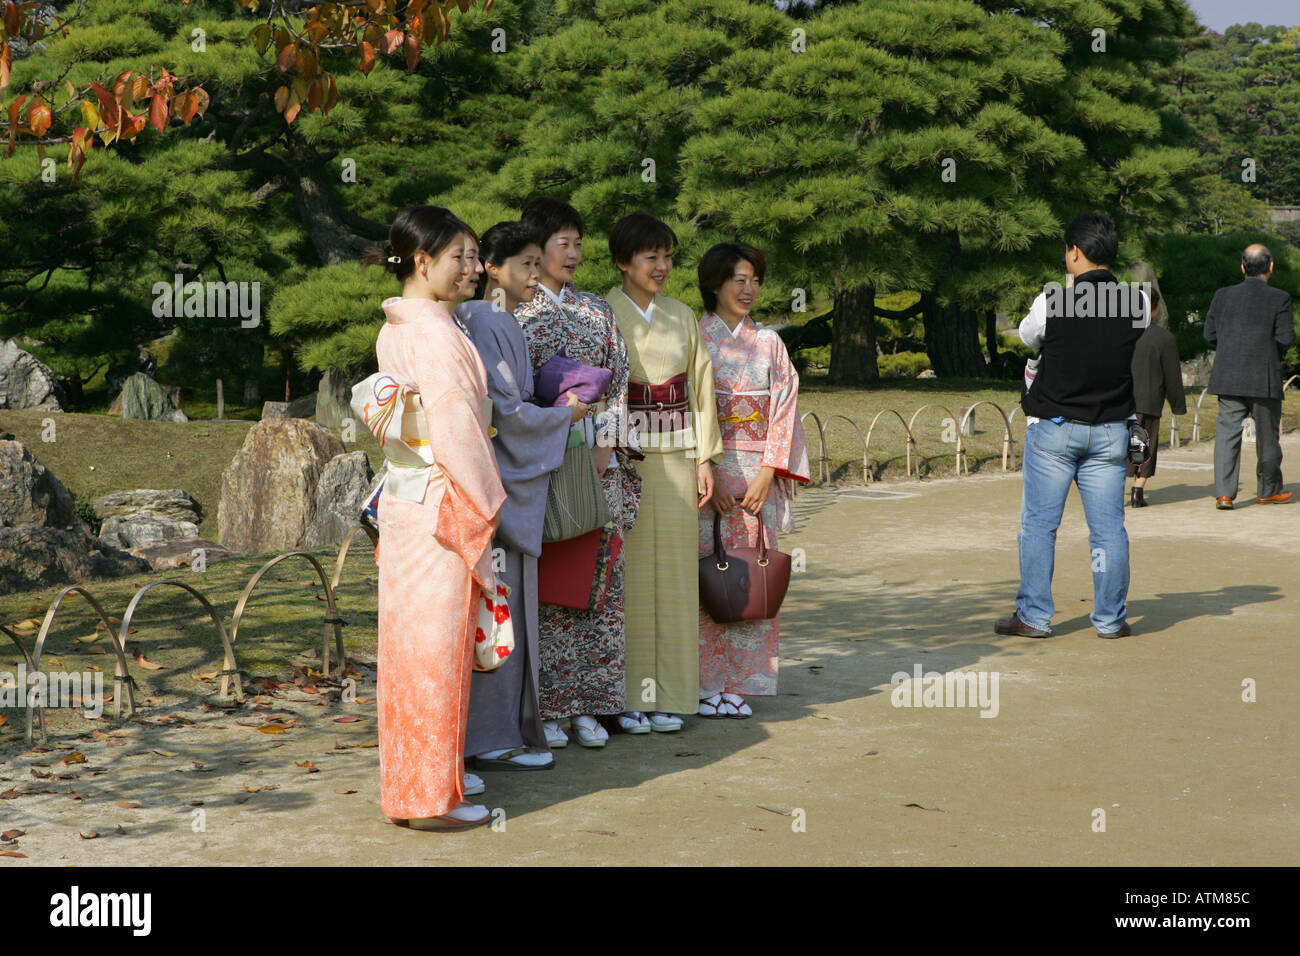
x: 434, y: 555
x: 758, y: 395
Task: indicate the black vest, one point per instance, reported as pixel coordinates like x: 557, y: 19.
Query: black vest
x: 1086, y: 372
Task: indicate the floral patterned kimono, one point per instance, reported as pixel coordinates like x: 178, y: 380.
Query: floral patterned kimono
x: 435, y: 555
x: 758, y: 393
x: 583, y: 652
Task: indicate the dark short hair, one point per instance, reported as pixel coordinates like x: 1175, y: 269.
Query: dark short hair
x: 549, y: 216
x: 1256, y: 264
x: 507, y: 239
x: 639, y: 232
x: 1095, y: 236
x: 428, y: 229
x: 718, y: 264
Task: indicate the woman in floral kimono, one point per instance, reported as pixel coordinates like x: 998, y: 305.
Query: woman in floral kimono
x: 671, y: 400
x: 530, y: 440
x: 582, y: 652
x: 763, y: 452
x: 436, y: 552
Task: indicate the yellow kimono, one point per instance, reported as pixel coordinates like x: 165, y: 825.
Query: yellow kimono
x: 662, y: 590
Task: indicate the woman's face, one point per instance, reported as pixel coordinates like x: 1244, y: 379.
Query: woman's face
x: 518, y: 275
x: 560, y: 256
x: 736, y: 296
x: 648, y: 270
x: 451, y: 269
x: 466, y: 289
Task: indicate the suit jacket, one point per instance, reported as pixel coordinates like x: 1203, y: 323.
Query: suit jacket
x: 1157, y: 374
x: 1247, y: 323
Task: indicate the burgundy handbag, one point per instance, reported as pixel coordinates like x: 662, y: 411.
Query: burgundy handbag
x: 743, y: 584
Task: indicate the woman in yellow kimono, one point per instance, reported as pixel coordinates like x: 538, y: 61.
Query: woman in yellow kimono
x: 436, y: 553
x: 671, y: 405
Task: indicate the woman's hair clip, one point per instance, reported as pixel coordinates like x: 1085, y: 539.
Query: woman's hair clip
x: 395, y: 260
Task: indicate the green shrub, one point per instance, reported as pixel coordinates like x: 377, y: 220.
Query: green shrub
x: 903, y: 364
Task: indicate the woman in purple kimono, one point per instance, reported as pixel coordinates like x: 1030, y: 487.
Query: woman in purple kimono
x: 505, y: 727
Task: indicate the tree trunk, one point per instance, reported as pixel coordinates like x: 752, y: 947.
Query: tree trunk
x: 991, y: 339
x: 952, y: 341
x: 853, y: 337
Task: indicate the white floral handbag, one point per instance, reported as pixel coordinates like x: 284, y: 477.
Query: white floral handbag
x: 494, y: 637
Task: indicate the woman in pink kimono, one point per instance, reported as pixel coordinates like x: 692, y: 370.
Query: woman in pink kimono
x: 436, y: 552
x: 757, y: 393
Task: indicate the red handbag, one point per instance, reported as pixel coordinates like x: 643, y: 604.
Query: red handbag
x: 743, y: 584
x: 576, y: 572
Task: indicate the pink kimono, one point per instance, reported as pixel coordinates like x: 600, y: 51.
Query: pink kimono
x: 757, y: 392
x: 433, y: 556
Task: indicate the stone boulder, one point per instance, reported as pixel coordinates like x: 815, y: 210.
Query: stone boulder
x: 339, y: 496
x: 269, y: 490
x: 34, y: 557
x: 304, y: 407
x: 179, y: 552
x: 145, y: 399
x: 26, y: 382
x: 117, y: 374
x: 1196, y: 371
x: 171, y: 503
x: 334, y: 398
x: 31, y: 494
x: 144, y: 528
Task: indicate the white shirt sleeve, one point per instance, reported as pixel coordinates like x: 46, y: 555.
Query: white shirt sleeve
x: 1034, y: 325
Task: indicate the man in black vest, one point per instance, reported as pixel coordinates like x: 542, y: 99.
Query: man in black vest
x: 1249, y: 323
x: 1077, y: 413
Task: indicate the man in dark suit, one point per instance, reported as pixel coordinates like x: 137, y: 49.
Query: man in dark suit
x: 1248, y: 324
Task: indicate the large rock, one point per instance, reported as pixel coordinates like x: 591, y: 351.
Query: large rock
x: 26, y: 382
x: 34, y: 557
x: 1196, y: 372
x: 304, y: 407
x: 31, y: 494
x: 117, y: 374
x: 144, y: 528
x: 145, y: 399
x: 172, y: 503
x: 269, y: 490
x: 339, y: 496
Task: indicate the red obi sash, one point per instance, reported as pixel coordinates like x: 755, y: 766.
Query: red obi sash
x: 671, y: 396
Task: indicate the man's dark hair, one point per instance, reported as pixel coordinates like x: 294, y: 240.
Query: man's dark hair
x: 549, y: 216
x: 1095, y: 236
x: 1256, y: 263
x: 639, y: 232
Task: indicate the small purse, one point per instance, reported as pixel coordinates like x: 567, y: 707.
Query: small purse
x: 494, y: 636
x: 575, y: 500
x: 743, y: 584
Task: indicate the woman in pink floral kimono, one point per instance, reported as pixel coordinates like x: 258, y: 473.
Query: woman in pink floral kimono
x: 436, y: 552
x: 757, y: 393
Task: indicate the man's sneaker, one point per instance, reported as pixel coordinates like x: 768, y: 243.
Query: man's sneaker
x: 1124, y: 631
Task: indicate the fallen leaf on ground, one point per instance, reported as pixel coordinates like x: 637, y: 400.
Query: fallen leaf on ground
x: 10, y: 835
x: 39, y: 775
x: 75, y: 757
x: 271, y: 729
x: 601, y: 832
x: 919, y: 807
x: 14, y: 853
x: 89, y: 638
x: 128, y: 805
x: 3, y: 718
x: 165, y: 753
x: 31, y: 624
x: 270, y: 786
x: 345, y: 792
x: 138, y: 654
x: 309, y: 766
x: 97, y: 650
x: 346, y: 720
x: 90, y: 836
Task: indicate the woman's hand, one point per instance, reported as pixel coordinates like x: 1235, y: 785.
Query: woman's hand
x: 704, y: 483
x: 756, y: 494
x: 600, y: 457
x: 579, y: 409
x: 722, y: 499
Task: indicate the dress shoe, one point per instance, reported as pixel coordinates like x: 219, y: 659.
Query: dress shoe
x: 1276, y: 499
x: 1223, y: 503
x: 1124, y: 631
x: 1013, y: 625
x: 1136, y: 499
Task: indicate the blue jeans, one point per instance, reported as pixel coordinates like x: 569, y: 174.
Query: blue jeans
x: 1093, y: 457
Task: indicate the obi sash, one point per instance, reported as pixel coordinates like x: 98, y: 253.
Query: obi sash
x: 671, y: 396
x: 742, y: 417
